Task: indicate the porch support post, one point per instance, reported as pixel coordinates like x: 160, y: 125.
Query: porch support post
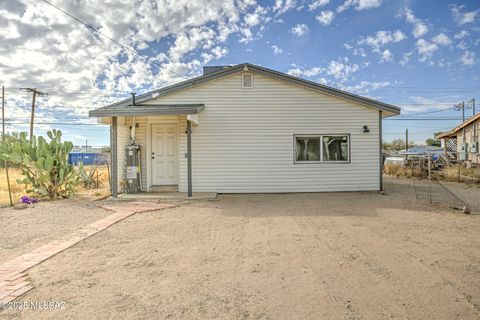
x: 114, y: 158
x: 189, y: 157
x: 380, y: 149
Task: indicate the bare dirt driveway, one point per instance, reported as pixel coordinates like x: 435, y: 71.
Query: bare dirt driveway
x: 286, y: 256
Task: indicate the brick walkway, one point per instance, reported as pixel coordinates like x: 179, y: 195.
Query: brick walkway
x: 14, y: 281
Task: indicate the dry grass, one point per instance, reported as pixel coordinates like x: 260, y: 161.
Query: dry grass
x: 450, y: 173
x: 462, y: 174
x: 18, y: 190
x: 398, y: 170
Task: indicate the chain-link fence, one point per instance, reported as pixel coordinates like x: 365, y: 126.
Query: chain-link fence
x: 438, y: 181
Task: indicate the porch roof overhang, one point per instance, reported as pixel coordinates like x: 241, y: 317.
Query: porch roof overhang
x: 147, y: 110
x: 446, y: 135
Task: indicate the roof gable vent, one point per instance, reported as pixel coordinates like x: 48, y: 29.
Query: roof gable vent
x: 247, y: 80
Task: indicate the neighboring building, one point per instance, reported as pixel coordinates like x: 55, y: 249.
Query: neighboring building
x: 462, y: 142
x: 248, y: 129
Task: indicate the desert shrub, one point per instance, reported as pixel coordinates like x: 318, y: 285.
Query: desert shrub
x: 89, y: 178
x: 43, y: 164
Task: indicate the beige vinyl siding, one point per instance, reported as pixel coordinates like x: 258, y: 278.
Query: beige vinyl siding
x: 470, y: 139
x: 244, y: 141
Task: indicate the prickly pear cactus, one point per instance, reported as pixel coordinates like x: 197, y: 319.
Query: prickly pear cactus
x: 44, y: 164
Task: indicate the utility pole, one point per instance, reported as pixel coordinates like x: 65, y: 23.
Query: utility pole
x: 471, y: 104
x: 35, y: 92
x: 3, y: 113
x: 3, y: 141
x: 461, y: 106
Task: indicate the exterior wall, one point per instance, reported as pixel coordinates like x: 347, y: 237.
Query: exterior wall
x: 473, y: 158
x: 244, y: 141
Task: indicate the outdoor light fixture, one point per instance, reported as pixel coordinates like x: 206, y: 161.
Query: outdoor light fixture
x: 365, y: 129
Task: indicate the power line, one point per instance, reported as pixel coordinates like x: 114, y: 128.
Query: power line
x: 427, y: 112
x: 113, y: 40
x: 426, y: 119
x: 420, y: 132
x: 58, y: 123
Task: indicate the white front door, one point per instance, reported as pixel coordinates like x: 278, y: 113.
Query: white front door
x: 164, y: 154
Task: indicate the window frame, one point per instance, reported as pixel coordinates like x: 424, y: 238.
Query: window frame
x: 251, y: 75
x: 320, y: 136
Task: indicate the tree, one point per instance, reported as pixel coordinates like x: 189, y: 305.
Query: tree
x: 44, y: 164
x: 434, y: 142
x: 397, y: 145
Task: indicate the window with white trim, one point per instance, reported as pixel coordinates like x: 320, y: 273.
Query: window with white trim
x: 322, y: 148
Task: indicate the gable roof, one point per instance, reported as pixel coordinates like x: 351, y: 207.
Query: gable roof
x: 462, y: 125
x: 224, y: 72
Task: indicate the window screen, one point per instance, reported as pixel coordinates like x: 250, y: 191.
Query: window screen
x: 307, y: 148
x: 335, y: 148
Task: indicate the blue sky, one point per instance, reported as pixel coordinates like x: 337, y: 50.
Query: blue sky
x: 420, y: 55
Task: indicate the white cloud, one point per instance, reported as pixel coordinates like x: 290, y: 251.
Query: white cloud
x: 359, y: 52
x: 378, y: 40
x: 421, y: 104
x: 359, y: 5
x: 365, y: 87
x: 283, y: 6
x: 462, y: 34
x: 468, y: 58
x: 381, y: 38
x: 425, y: 49
x: 462, y: 45
x: 300, y: 29
x: 463, y: 17
x: 386, y: 56
x: 48, y: 50
x: 406, y: 58
x: 340, y: 70
x: 442, y: 39
x: 216, y: 53
x: 317, y: 4
x: 251, y: 20
x: 277, y: 50
x: 325, y: 17
x: 419, y: 27
x: 256, y: 17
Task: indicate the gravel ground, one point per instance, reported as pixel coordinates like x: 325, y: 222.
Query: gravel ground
x: 24, y: 230
x: 288, y: 256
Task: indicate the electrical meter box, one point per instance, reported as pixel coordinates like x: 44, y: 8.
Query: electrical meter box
x: 132, y: 158
x: 474, y: 147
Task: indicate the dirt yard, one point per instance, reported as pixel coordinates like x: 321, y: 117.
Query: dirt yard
x: 27, y: 229
x: 286, y: 256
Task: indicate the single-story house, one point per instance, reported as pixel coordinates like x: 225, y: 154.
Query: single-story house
x: 249, y: 129
x: 462, y: 142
